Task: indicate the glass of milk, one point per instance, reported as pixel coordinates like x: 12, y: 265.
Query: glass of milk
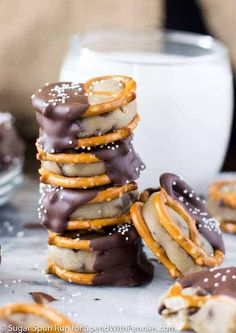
x: 184, y: 91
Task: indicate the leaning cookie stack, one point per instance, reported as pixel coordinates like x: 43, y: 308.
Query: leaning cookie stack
x: 88, y: 169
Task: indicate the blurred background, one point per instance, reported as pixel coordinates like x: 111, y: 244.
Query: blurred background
x: 35, y: 34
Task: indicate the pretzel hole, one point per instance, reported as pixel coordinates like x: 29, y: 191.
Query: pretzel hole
x: 109, y: 85
x: 179, y: 220
x: 99, y: 98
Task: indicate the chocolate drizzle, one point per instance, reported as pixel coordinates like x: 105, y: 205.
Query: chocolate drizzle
x: 57, y: 204
x: 11, y: 146
x: 58, y: 106
x: 207, y: 226
x: 121, y: 260
x: 220, y: 281
x: 122, y: 163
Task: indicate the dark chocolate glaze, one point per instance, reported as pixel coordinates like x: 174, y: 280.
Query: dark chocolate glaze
x: 58, y: 106
x: 220, y: 281
x: 11, y: 146
x: 121, y: 260
x: 57, y: 204
x: 207, y: 226
x: 122, y: 163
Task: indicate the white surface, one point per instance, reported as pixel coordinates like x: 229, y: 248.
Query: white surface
x: 22, y: 271
x: 185, y: 107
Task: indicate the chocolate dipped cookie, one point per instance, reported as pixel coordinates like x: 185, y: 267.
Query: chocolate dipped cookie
x: 115, y: 163
x: 73, y: 115
x: 63, y: 209
x: 109, y: 256
x: 204, y: 302
x: 176, y: 225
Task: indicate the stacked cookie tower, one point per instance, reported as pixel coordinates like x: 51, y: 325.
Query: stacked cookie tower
x: 88, y: 169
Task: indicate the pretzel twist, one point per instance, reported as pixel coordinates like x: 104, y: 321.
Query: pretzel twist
x: 118, y: 99
x: 73, y: 182
x: 114, y: 192
x: 81, y: 158
x: 191, y: 245
x: 53, y: 316
x: 97, y: 224
x: 67, y: 242
x: 72, y: 277
x: 156, y: 248
x: 188, y: 300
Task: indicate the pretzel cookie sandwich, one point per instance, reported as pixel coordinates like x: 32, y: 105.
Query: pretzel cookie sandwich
x: 73, y: 115
x: 204, y: 302
x: 30, y: 317
x: 63, y: 209
x: 108, y: 256
x: 176, y: 226
x: 115, y: 163
x: 88, y: 172
x: 222, y: 203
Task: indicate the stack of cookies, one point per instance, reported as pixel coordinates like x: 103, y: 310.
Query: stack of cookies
x: 88, y: 169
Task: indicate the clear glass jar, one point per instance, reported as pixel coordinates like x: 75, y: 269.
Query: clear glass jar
x: 184, y: 96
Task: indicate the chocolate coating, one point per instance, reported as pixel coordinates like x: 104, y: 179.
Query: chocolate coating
x: 57, y: 204
x: 220, y: 281
x: 11, y: 146
x: 122, y: 163
x: 207, y: 226
x: 58, y: 106
x: 121, y: 260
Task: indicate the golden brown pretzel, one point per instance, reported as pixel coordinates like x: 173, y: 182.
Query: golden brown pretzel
x: 191, y: 245
x: 81, y: 158
x: 189, y: 301
x: 118, y: 99
x: 114, y: 192
x: 68, y: 242
x: 228, y: 197
x: 73, y: 182
x: 157, y: 249
x: 72, y: 277
x: 98, y: 223
x: 48, y: 313
x: 117, y: 135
